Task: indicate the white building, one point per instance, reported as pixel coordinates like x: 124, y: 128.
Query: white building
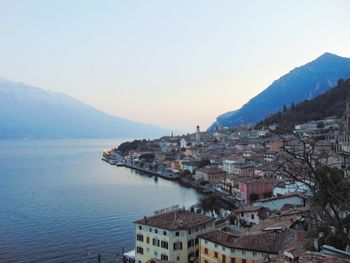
x: 183, y: 143
x: 276, y: 203
x: 250, y: 215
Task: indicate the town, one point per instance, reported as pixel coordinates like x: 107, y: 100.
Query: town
x: 268, y: 196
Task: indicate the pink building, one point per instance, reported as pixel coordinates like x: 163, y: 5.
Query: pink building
x: 246, y: 188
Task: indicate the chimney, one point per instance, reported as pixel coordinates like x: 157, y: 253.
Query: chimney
x: 145, y: 218
x: 181, y: 223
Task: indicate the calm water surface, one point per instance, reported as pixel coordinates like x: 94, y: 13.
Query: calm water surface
x: 60, y: 203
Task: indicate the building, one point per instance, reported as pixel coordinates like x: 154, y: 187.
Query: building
x: 210, y: 174
x: 183, y: 143
x: 191, y: 166
x: 257, y: 186
x: 220, y: 246
x: 228, y: 166
x: 246, y: 169
x: 269, y: 156
x: 198, y: 136
x: 171, y: 235
x: 250, y: 215
x: 277, y: 202
x: 230, y: 183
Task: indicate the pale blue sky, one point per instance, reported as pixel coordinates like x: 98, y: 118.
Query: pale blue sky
x: 170, y: 63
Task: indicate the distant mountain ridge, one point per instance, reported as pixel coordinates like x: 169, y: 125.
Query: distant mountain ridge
x: 331, y: 103
x: 27, y: 111
x: 305, y: 82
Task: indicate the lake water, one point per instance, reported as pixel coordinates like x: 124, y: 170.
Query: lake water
x: 60, y: 203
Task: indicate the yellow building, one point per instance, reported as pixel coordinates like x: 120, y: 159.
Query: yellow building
x: 223, y: 247
x: 171, y: 235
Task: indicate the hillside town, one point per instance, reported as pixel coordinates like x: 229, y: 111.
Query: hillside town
x: 260, y: 199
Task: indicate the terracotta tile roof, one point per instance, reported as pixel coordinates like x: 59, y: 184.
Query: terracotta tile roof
x: 308, y: 257
x: 275, y: 221
x: 221, y: 237
x: 313, y: 257
x: 272, y: 241
x: 211, y: 170
x: 155, y: 260
x: 269, y: 242
x: 297, y: 210
x: 248, y: 209
x: 175, y: 220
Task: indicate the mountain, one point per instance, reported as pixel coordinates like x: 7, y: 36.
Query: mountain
x: 305, y: 82
x: 27, y: 111
x: 331, y: 103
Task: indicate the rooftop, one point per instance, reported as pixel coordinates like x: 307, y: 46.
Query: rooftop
x: 269, y: 242
x: 178, y: 219
x: 282, y: 197
x: 221, y: 237
x: 155, y: 260
x: 210, y: 170
x: 248, y: 209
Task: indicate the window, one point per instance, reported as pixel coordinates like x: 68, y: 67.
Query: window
x: 232, y: 250
x: 147, y: 240
x: 223, y: 259
x: 177, y: 245
x: 155, y: 242
x: 189, y: 232
x: 216, y: 255
x: 164, y: 244
x: 190, y: 243
x: 155, y: 253
x: 215, y: 245
x: 252, y: 216
x: 233, y: 260
x: 254, y: 253
x: 156, y: 231
x: 150, y: 229
x: 206, y: 251
x: 223, y: 248
x: 177, y: 258
x: 242, y: 214
x: 197, y: 253
x: 243, y: 252
x: 177, y: 234
x: 139, y: 237
x: 164, y: 233
x: 164, y: 257
x: 196, y: 241
x: 140, y: 227
x: 139, y: 250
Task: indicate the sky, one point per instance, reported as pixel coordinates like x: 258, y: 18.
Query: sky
x: 174, y: 64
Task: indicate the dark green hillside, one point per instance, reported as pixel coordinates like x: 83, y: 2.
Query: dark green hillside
x: 331, y: 103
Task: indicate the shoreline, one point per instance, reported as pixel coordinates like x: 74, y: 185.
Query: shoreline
x: 182, y: 181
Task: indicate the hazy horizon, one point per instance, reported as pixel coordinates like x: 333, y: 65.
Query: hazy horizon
x: 171, y: 64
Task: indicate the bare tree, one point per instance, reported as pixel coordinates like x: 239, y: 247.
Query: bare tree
x: 307, y: 161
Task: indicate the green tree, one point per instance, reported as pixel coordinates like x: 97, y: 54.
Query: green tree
x: 253, y: 197
x: 203, y: 163
x: 210, y: 204
x: 267, y: 194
